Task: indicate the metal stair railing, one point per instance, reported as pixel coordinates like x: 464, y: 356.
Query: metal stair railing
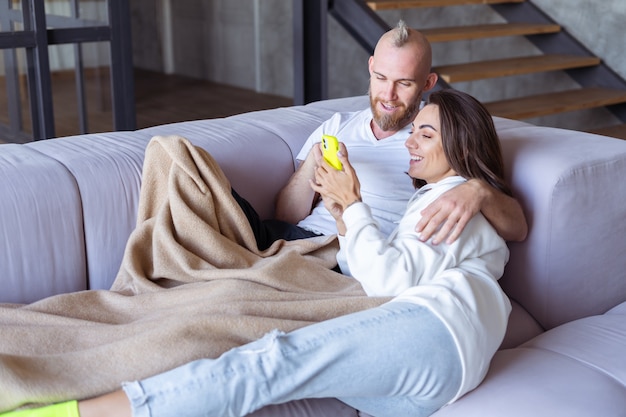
x: 39, y: 32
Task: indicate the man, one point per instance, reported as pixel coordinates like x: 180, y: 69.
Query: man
x: 399, y: 75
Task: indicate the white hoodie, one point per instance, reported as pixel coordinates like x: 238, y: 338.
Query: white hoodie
x: 457, y: 282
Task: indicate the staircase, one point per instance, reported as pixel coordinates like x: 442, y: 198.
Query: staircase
x: 599, y: 85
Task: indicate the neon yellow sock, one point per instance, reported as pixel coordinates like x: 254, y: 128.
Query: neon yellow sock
x: 66, y: 409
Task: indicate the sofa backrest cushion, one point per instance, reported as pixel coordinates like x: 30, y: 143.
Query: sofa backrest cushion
x: 107, y: 172
x: 42, y: 250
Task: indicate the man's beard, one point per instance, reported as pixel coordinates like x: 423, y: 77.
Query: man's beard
x: 395, y: 121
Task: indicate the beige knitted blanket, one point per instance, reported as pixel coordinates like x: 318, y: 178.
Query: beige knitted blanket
x: 192, y: 284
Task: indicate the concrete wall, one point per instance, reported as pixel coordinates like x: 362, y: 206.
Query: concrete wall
x: 245, y: 43
x: 248, y: 43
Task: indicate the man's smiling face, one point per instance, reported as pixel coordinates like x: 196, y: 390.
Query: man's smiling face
x: 395, y: 86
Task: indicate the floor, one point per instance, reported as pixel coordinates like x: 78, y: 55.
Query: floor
x: 164, y: 99
x: 159, y: 99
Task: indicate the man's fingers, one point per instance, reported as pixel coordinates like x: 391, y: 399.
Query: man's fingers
x: 443, y: 232
x: 454, y: 235
x: 429, y: 225
x: 455, y: 231
x: 442, y: 226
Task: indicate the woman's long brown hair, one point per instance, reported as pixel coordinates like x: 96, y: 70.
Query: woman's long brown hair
x: 469, y: 138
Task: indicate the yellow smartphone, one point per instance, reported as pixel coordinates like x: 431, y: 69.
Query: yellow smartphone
x: 330, y: 147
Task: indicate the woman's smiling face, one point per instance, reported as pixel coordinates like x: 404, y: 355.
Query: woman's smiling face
x: 428, y: 160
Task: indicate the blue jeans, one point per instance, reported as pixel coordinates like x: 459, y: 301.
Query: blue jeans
x: 394, y: 360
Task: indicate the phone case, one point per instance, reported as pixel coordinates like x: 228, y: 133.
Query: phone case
x: 330, y: 146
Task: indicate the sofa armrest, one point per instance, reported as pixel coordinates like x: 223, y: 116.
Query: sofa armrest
x: 572, y: 189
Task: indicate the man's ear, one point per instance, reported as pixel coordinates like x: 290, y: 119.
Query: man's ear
x: 431, y: 81
x: 370, y: 64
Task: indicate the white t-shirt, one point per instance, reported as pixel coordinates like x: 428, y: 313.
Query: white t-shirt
x: 457, y: 282
x: 381, y: 166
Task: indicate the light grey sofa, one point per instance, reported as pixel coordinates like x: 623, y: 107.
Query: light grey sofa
x: 68, y: 205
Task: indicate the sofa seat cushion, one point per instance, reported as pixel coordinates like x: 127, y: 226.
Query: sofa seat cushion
x: 577, y: 369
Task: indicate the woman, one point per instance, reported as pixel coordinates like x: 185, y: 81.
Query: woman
x: 427, y: 347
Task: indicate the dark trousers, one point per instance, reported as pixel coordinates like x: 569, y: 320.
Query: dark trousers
x: 267, y: 232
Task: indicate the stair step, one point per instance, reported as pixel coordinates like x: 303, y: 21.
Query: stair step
x: 487, y: 31
x: 408, y: 4
x: 617, y: 131
x: 558, y: 102
x: 512, y: 66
